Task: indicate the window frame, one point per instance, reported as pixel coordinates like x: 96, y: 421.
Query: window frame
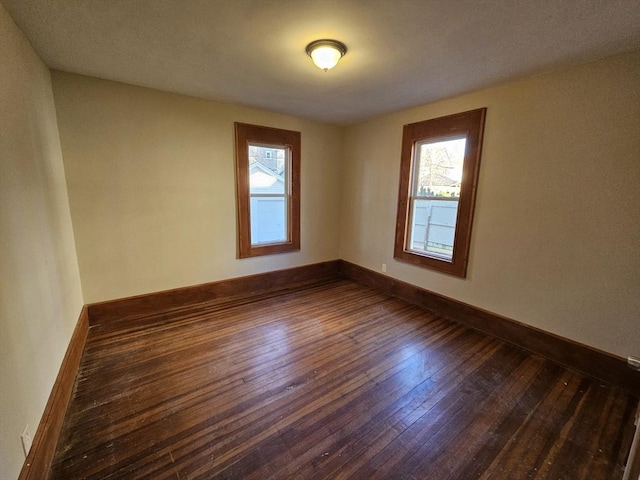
x: 469, y: 125
x: 246, y: 134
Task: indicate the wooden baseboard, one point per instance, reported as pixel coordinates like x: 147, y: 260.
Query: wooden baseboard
x: 576, y: 356
x: 43, y: 448
x: 104, y: 312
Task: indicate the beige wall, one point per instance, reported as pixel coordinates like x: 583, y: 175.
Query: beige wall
x: 556, y: 237
x: 40, y: 295
x: 152, y: 187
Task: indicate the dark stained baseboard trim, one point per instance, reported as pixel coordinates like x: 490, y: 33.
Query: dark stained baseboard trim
x: 38, y: 462
x: 146, y: 304
x: 576, y: 356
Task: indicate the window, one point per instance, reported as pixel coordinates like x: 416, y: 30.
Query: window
x: 439, y: 167
x: 268, y: 190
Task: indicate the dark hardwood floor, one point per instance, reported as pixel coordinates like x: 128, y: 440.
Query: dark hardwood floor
x: 329, y: 382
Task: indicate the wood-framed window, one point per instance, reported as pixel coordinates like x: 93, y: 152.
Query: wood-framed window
x: 268, y: 190
x: 439, y: 167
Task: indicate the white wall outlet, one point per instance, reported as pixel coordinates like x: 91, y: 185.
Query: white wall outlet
x: 384, y: 267
x: 633, y: 362
x: 26, y: 440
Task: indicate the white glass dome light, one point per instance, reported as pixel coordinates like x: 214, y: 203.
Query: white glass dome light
x: 326, y: 53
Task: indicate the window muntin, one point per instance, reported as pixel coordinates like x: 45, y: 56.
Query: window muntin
x: 268, y: 190
x: 438, y: 175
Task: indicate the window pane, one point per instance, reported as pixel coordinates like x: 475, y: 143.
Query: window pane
x: 268, y: 220
x: 438, y: 174
x: 267, y: 169
x: 433, y: 227
x: 439, y: 168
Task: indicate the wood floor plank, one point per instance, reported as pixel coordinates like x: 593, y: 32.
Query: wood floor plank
x: 329, y: 381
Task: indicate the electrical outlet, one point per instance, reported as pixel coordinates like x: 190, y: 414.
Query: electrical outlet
x: 26, y: 440
x: 384, y: 267
x: 633, y: 362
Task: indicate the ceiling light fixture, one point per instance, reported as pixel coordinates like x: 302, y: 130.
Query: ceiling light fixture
x: 326, y: 53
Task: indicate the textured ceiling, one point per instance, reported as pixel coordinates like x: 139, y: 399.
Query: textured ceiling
x: 252, y: 52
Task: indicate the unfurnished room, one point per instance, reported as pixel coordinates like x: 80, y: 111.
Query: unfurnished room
x: 319, y: 239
